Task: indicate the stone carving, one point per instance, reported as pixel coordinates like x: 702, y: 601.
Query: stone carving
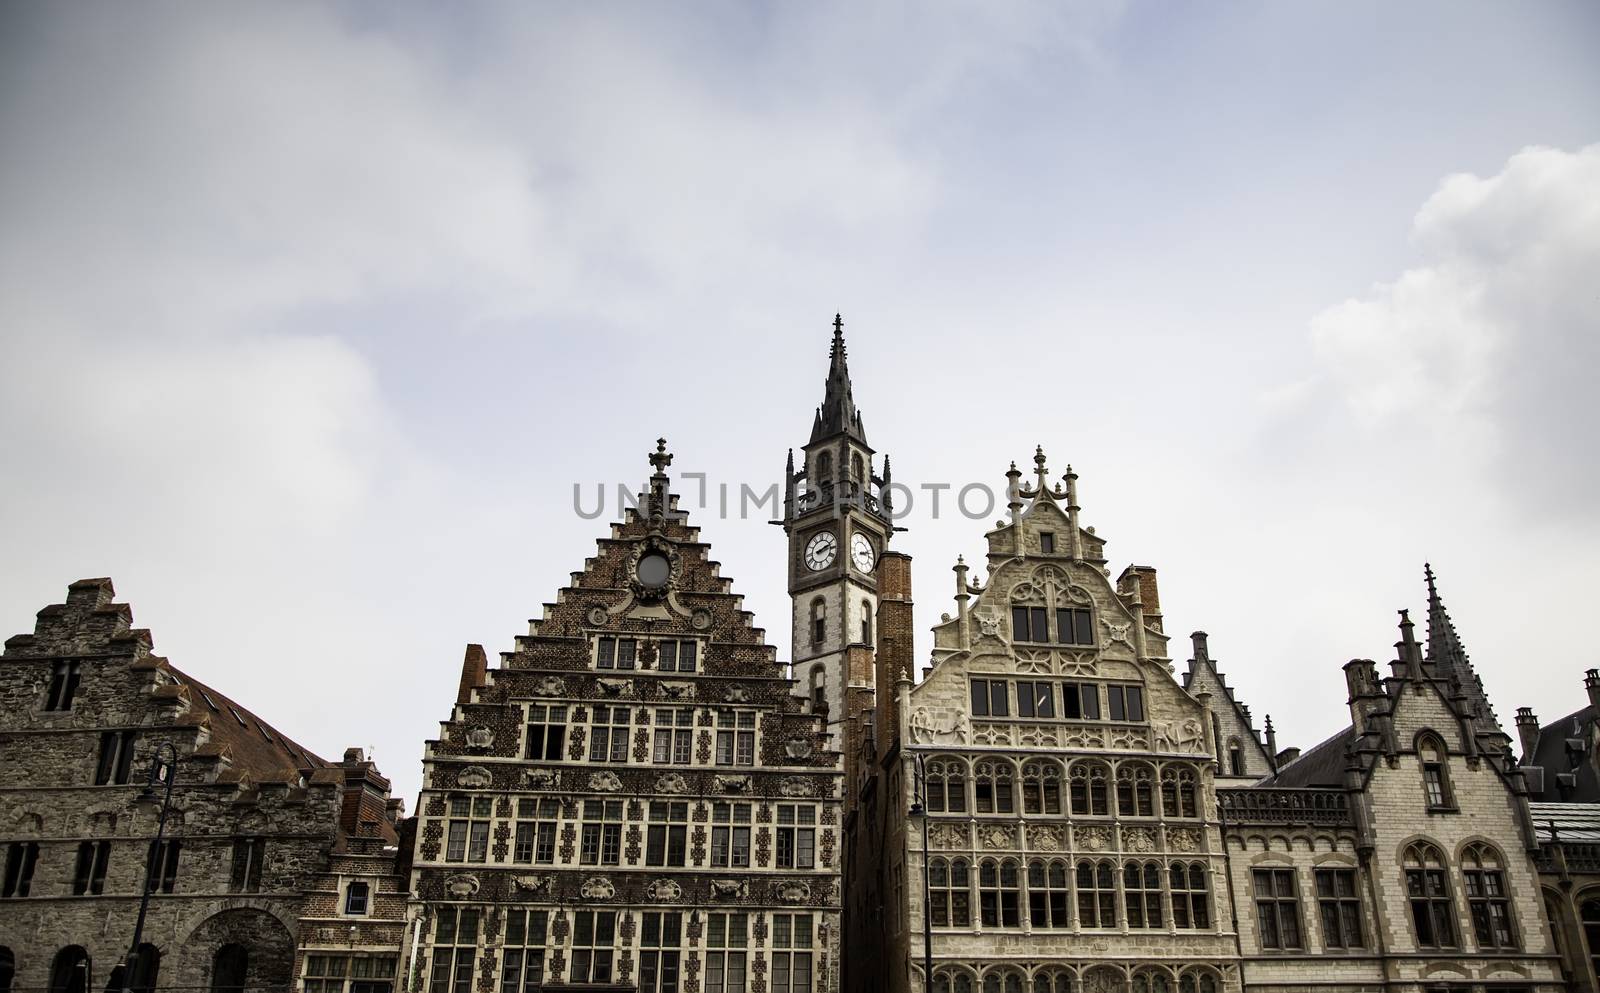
x: 947, y: 836
x: 732, y: 888
x: 598, y: 888
x: 474, y: 777
x: 733, y: 784
x: 700, y: 620
x: 791, y: 891
x: 1046, y: 838
x: 672, y: 782
x: 1187, y: 735
x: 535, y: 884
x: 992, y: 734
x: 1039, y: 738
x: 736, y: 694
x: 540, y: 779
x: 995, y: 836
x: 664, y: 890
x: 676, y: 689
x: 616, y: 687
x: 1118, y: 632
x: 798, y: 747
x: 1093, y: 839
x: 927, y: 731
x: 598, y: 616
x: 988, y: 625
x: 480, y: 739
x: 1128, y: 738
x: 1183, y: 839
x: 1102, y: 981
x: 1139, y: 840
x: 795, y: 786
x: 461, y: 886
x: 550, y: 686
x: 605, y: 782
x: 1084, y: 738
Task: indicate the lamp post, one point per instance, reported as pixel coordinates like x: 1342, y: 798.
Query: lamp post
x: 919, y: 812
x: 163, y: 770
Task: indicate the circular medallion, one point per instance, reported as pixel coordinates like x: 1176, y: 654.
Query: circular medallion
x: 654, y: 570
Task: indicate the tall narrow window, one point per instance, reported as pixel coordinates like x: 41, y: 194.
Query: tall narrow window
x: 1191, y: 901
x: 658, y: 951
x: 999, y: 893
x: 1097, y: 894
x: 1041, y: 788
x: 824, y: 467
x: 949, y: 892
x: 1589, y: 913
x: 666, y: 837
x: 727, y: 938
x: 1080, y: 701
x: 357, y: 897
x: 1485, y: 881
x: 116, y: 758
x: 609, y: 731
x: 730, y: 836
x: 455, y: 950
x: 70, y: 972
x: 1047, y: 542
x: 1141, y: 887
x: 535, y: 839
x: 797, y: 836
x: 992, y: 788
x: 248, y: 856
x: 791, y: 953
x: 594, y: 936
x: 855, y: 467
x: 1177, y: 793
x: 601, y: 840
x: 819, y: 622
x: 468, y: 837
x: 736, y: 737
x: 547, y: 732
x: 946, y: 787
x: 1135, y: 796
x: 1435, y: 773
x: 1036, y: 699
x: 1047, y: 894
x: 164, y: 865
x: 1340, y: 908
x: 146, y: 969
x: 64, y: 678
x: 89, y: 878
x: 866, y: 622
x: 674, y: 741
x: 21, y: 856
x: 1429, y: 894
x: 1277, y: 908
x: 1074, y: 626
x: 1126, y: 703
x: 1087, y: 788
x: 522, y: 970
x: 1235, y: 758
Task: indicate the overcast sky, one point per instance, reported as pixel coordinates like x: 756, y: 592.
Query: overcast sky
x: 312, y: 316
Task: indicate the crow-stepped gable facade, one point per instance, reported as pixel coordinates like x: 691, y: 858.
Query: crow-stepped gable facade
x: 634, y: 799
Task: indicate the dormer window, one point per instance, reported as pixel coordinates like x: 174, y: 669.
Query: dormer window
x: 356, y: 898
x: 1047, y: 542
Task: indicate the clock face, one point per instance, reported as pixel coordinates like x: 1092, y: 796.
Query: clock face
x: 861, y: 552
x: 820, y: 550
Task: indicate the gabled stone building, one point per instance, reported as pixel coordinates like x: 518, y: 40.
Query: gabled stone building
x: 84, y: 706
x: 634, y: 798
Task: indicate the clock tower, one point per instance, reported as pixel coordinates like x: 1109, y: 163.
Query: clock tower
x: 838, y: 515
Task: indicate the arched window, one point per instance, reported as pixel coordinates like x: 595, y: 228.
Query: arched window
x: 1197, y: 982
x: 1235, y: 757
x: 819, y: 622
x: 1097, y: 894
x: 999, y: 893
x: 1002, y: 982
x: 1191, y: 903
x: 950, y: 892
x: 1048, y: 898
x: 824, y: 467
x: 1052, y: 982
x: 1483, y: 874
x: 1428, y: 891
x: 229, y: 968
x: 947, y: 787
x: 945, y: 982
x: 866, y: 622
x: 819, y: 687
x: 1041, y: 788
x: 1589, y: 913
x: 1177, y: 793
x: 146, y: 969
x: 1134, y: 791
x: 1141, y: 888
x: 1435, y: 772
x: 1150, y: 982
x: 70, y: 972
x: 855, y: 467
x: 1087, y: 786
x: 356, y: 898
x: 992, y: 788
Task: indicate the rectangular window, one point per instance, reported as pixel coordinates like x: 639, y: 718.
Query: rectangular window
x: 1277, y: 908
x: 522, y: 970
x: 609, y: 731
x: 1340, y: 908
x: 547, y: 732
x: 20, y: 859
x: 601, y: 841
x: 730, y: 835
x: 1047, y: 542
x: 64, y: 678
x: 1433, y: 783
x: 116, y: 758
x: 797, y: 836
x: 666, y: 836
x: 594, y: 932
x: 164, y: 865
x: 736, y: 737
x: 1080, y: 701
x: 676, y: 656
x: 468, y: 837
x: 791, y: 953
x: 1126, y: 703
x: 616, y: 653
x: 727, y: 938
x: 1074, y: 626
x: 1036, y: 699
x: 536, y: 831
x: 366, y: 973
x: 455, y: 950
x: 249, y: 854
x: 89, y: 878
x: 1491, y: 910
x: 674, y: 737
x: 990, y: 698
x: 1030, y: 624
x: 1431, y: 915
x: 658, y: 951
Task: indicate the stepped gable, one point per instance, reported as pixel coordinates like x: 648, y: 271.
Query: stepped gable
x: 93, y: 629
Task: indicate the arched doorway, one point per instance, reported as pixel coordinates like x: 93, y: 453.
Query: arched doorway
x: 8, y: 969
x: 70, y: 972
x: 229, y: 969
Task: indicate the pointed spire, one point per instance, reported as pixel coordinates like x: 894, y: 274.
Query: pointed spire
x: 1450, y: 662
x: 838, y: 414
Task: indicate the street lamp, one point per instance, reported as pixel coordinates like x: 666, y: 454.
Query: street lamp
x: 919, y: 812
x: 163, y: 770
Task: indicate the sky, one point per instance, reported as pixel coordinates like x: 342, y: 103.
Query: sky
x: 312, y: 316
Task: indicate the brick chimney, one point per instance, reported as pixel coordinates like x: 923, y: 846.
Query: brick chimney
x: 1528, y: 732
x: 1591, y: 682
x: 895, y: 642
x: 474, y: 673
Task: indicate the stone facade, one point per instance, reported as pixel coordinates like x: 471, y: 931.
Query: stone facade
x: 84, y: 707
x: 634, y: 798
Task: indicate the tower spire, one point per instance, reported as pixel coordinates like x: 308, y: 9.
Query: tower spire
x: 1449, y: 659
x: 838, y: 414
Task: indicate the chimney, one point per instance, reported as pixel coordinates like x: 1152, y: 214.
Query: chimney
x: 895, y: 643
x: 1272, y: 746
x: 1361, y: 680
x: 1202, y: 653
x: 1528, y: 732
x: 1286, y: 756
x: 1591, y: 682
x: 474, y: 673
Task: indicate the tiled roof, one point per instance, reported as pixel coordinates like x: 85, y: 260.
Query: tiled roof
x: 1551, y: 753
x: 1566, y: 821
x: 254, y: 747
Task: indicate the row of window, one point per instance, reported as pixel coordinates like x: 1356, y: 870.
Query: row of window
x: 1431, y: 905
x: 1048, y: 699
x: 1094, y: 893
x: 819, y: 622
x: 1089, y: 791
x: 600, y: 832
x: 1074, y: 626
x: 593, y: 956
x: 1009, y: 981
x: 94, y: 857
x: 623, y: 653
x: 349, y: 973
x: 610, y: 731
